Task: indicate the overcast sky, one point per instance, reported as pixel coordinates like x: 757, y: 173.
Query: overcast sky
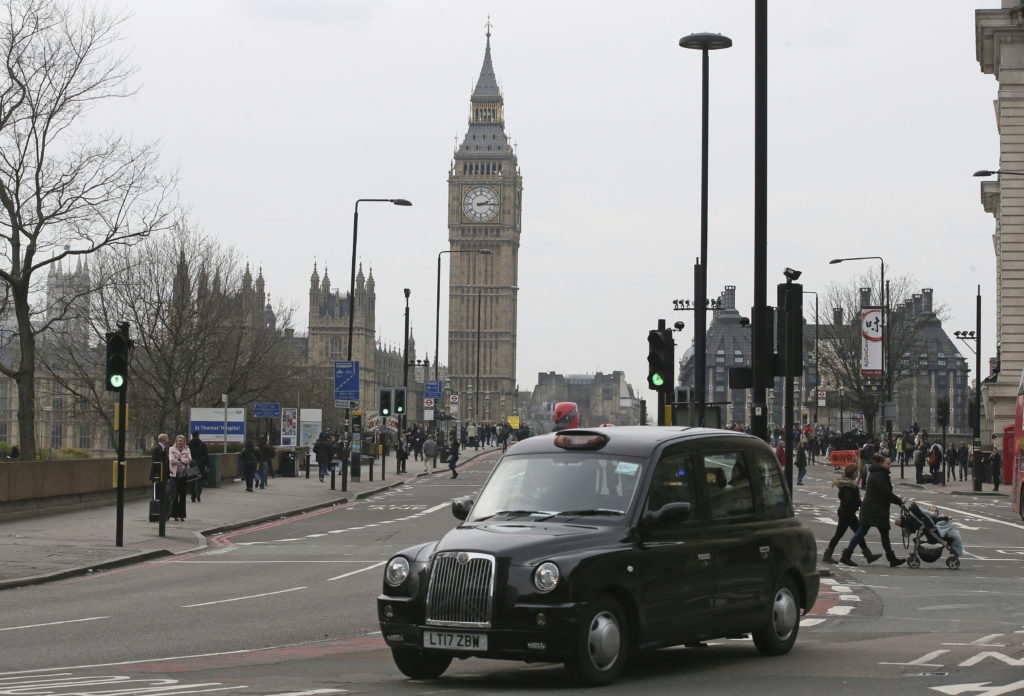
x: 279, y: 114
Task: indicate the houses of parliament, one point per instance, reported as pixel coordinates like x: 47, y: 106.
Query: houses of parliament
x: 484, y: 226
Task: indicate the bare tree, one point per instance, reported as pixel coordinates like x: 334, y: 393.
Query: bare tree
x: 199, y: 327
x: 840, y: 356
x: 63, y: 193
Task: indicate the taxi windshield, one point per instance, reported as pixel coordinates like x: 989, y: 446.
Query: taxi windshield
x: 570, y: 484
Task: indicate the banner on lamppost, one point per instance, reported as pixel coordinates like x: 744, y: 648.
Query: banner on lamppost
x: 871, y: 341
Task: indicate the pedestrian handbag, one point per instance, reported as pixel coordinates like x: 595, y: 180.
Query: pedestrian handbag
x: 193, y: 473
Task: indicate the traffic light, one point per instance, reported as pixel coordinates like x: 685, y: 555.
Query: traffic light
x: 118, y: 345
x: 385, y: 401
x: 942, y: 411
x: 660, y: 359
x: 399, y: 401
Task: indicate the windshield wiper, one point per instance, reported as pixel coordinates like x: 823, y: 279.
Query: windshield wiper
x: 516, y: 513
x: 587, y: 513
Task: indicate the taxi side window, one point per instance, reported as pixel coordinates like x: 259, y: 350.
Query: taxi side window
x: 729, y: 485
x: 773, y: 489
x: 673, y: 482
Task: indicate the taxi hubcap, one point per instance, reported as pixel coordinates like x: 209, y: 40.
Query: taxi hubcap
x: 784, y: 614
x: 603, y: 640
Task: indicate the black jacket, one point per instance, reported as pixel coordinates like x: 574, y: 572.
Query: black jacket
x: 200, y: 453
x: 849, y: 497
x: 161, y: 465
x: 874, y: 511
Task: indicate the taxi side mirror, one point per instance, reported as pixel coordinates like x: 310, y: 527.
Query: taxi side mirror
x: 666, y: 514
x: 461, y: 507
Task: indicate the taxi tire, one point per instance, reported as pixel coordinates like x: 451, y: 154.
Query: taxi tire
x: 601, y: 644
x: 779, y: 633
x: 417, y: 664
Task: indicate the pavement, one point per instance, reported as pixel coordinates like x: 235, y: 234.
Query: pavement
x: 51, y: 547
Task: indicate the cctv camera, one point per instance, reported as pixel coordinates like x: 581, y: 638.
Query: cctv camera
x: 679, y: 326
x: 791, y: 274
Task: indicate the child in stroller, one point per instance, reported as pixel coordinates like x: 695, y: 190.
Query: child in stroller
x: 926, y: 526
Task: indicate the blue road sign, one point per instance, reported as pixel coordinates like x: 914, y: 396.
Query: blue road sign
x: 266, y: 410
x: 432, y: 389
x: 346, y: 380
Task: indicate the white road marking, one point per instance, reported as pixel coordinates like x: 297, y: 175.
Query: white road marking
x: 354, y: 572
x: 239, y: 599
x: 839, y: 610
x: 804, y: 623
x: 921, y: 661
x: 312, y: 693
x: 979, y: 687
x: 53, y: 623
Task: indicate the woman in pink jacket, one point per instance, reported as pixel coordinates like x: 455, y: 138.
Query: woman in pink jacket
x: 180, y: 460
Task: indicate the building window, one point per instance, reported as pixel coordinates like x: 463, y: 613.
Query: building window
x: 942, y: 359
x: 57, y: 435
x: 83, y: 437
x: 737, y: 357
x: 922, y: 360
x: 720, y: 357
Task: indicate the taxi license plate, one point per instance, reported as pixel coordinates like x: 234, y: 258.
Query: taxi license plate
x: 446, y: 640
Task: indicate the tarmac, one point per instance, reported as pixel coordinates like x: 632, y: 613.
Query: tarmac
x: 44, y: 548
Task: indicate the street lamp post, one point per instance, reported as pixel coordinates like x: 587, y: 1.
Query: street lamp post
x: 817, y: 378
x: 842, y: 392
x: 352, y: 277
x: 405, y: 362
x: 883, y: 299
x: 703, y: 42
x: 479, y: 386
x: 437, y: 313
x: 975, y: 336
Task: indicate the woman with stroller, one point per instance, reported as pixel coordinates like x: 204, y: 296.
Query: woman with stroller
x: 849, y: 504
x: 875, y: 511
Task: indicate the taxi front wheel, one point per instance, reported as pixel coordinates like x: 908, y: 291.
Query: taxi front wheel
x: 779, y: 633
x: 600, y: 646
x: 420, y: 665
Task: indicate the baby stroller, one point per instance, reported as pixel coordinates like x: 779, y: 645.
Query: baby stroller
x: 922, y: 537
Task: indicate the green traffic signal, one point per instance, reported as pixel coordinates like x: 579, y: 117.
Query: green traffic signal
x: 657, y: 380
x: 116, y: 381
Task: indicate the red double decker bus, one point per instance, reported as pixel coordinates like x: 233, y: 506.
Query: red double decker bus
x: 567, y: 415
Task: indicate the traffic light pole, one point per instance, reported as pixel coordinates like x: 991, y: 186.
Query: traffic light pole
x: 121, y: 469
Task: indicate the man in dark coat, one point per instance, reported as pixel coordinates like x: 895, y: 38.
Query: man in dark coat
x: 997, y: 467
x: 323, y: 450
x: 874, y: 511
x: 201, y: 458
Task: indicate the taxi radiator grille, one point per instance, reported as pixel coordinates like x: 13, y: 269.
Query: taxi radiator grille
x: 461, y: 593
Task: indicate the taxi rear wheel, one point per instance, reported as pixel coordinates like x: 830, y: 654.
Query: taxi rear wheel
x: 779, y: 633
x: 420, y: 665
x: 600, y: 645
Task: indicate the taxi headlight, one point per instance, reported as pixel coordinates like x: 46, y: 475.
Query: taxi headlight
x: 545, y: 577
x: 397, y: 571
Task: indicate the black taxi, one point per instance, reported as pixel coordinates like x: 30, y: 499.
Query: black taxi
x: 584, y: 546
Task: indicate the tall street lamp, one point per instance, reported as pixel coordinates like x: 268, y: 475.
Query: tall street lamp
x: 479, y: 386
x: 352, y: 276
x: 996, y: 172
x: 817, y: 379
x: 704, y: 42
x: 975, y: 336
x: 405, y: 356
x: 884, y: 300
x: 842, y: 392
x: 437, y: 313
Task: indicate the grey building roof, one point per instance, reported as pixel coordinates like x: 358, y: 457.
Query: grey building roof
x: 485, y: 137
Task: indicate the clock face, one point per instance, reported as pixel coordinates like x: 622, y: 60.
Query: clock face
x: 480, y: 203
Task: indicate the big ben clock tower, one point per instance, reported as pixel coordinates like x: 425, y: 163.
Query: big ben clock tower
x: 485, y: 195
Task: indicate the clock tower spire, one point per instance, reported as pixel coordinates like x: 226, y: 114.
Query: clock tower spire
x: 485, y: 193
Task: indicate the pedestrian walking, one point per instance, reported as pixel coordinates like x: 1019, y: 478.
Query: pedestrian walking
x: 265, y: 453
x: 874, y: 511
x: 453, y: 458
x: 401, y: 454
x: 429, y: 453
x: 322, y: 450
x: 250, y: 464
x: 961, y: 460
x: 179, y: 460
x: 919, y: 464
x: 997, y: 468
x: 849, y: 503
x: 801, y: 463
x: 201, y: 458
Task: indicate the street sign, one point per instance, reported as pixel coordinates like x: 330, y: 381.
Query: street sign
x: 266, y: 410
x: 346, y: 381
x: 432, y: 389
x: 454, y: 398
x: 821, y: 398
x: 428, y: 414
x: 428, y: 403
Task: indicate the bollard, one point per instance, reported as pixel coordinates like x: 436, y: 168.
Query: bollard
x: 333, y: 469
x: 344, y: 476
